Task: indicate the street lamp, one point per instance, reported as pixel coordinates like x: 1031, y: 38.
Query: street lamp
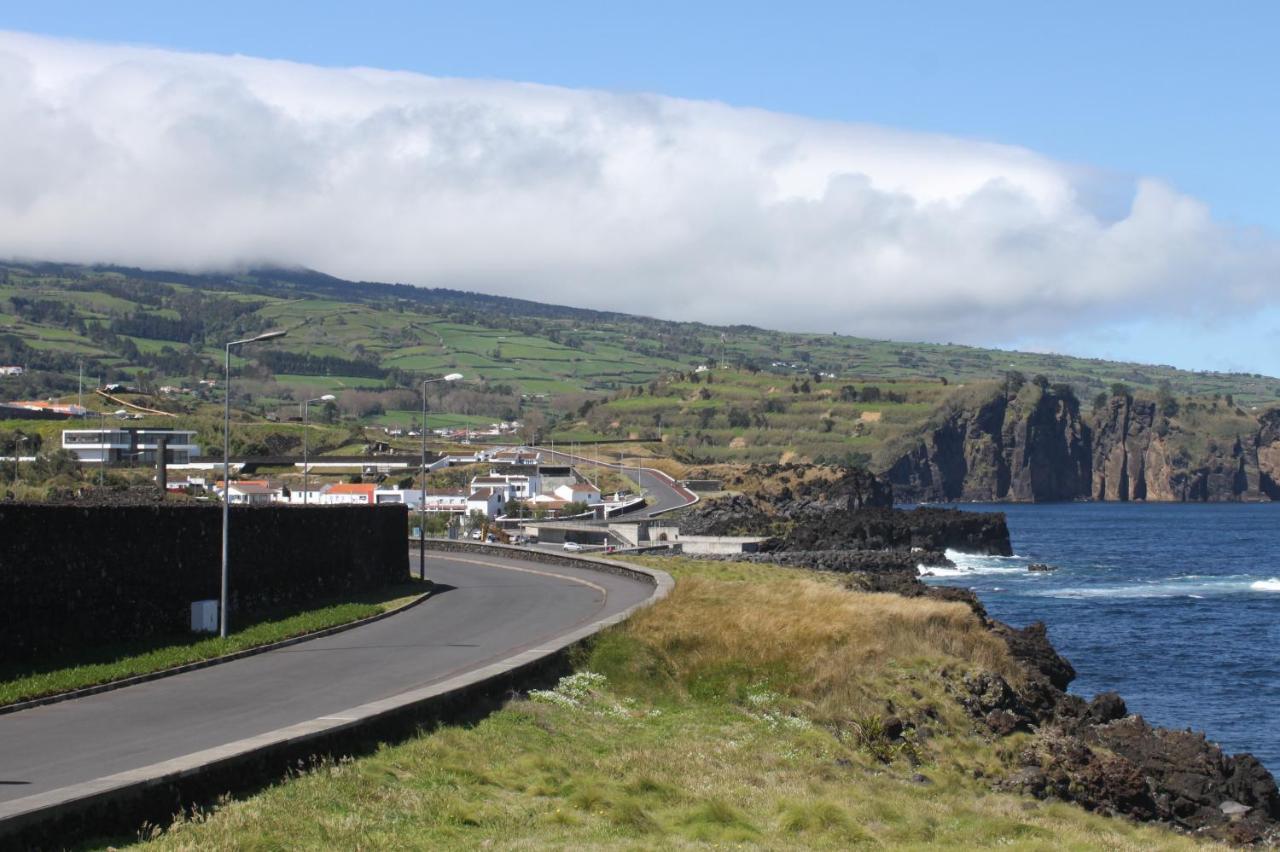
x: 422, y: 503
x: 226, y: 468
x: 306, y: 469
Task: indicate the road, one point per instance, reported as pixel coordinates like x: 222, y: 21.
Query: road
x: 662, y: 493
x: 488, y: 608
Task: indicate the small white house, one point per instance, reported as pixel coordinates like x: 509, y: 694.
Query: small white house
x: 252, y: 494
x: 580, y: 492
x: 488, y: 501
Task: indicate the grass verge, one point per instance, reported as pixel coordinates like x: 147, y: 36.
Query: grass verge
x: 114, y: 662
x: 749, y: 708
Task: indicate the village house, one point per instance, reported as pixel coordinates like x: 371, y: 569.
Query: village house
x: 580, y: 492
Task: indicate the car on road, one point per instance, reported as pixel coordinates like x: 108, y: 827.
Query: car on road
x: 572, y: 545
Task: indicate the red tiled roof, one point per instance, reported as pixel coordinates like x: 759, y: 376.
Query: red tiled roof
x: 352, y: 488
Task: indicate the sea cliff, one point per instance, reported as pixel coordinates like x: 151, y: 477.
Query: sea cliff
x: 1036, y: 443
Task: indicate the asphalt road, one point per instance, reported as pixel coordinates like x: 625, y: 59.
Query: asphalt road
x: 488, y: 609
x: 662, y: 496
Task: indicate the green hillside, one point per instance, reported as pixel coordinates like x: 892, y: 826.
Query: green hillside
x: 149, y: 329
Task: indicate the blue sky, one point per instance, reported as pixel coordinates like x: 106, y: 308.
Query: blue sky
x: 1177, y: 91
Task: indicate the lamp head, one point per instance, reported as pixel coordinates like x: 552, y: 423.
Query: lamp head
x: 269, y: 335
x: 328, y: 398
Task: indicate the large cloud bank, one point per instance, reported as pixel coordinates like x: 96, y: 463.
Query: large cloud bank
x: 673, y: 208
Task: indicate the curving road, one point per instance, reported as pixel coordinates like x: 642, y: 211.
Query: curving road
x: 664, y: 493
x: 488, y: 608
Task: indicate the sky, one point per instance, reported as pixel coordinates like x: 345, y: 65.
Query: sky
x: 1079, y: 178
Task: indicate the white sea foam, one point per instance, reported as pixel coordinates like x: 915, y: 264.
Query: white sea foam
x: 968, y: 564
x: 1168, y: 588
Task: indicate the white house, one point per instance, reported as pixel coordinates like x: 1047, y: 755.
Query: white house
x: 347, y: 494
x: 11, y: 371
x: 580, y: 492
x: 252, y: 494
x: 488, y: 501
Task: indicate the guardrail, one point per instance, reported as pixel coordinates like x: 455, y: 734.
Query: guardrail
x: 153, y: 794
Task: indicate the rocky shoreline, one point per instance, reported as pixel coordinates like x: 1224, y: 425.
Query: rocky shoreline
x: 1094, y: 753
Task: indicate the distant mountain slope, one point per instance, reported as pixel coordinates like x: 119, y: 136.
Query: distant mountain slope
x: 158, y: 326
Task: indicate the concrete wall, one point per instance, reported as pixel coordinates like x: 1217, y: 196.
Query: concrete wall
x: 72, y: 576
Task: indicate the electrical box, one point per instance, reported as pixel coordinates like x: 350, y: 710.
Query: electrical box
x: 204, y: 616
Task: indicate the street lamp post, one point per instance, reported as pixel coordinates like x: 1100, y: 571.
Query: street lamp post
x: 422, y: 497
x: 306, y: 468
x: 226, y: 468
x: 18, y: 441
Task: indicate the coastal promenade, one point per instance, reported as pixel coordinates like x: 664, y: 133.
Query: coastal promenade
x: 491, y: 612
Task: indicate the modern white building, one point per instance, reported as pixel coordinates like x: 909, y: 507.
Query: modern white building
x: 116, y: 445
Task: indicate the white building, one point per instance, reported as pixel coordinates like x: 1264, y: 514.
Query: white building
x: 580, y: 492
x: 488, y: 501
x: 11, y: 371
x: 252, y: 494
x: 94, y: 446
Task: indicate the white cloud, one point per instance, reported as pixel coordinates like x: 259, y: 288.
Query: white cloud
x: 667, y: 207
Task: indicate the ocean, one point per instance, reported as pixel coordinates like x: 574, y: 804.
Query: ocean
x: 1174, y: 606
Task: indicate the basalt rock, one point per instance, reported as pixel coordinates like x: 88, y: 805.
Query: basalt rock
x: 843, y: 520
x: 1029, y: 446
x: 1099, y: 756
x: 1035, y: 444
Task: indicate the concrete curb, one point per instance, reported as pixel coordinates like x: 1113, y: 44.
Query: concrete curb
x: 162, y: 789
x: 133, y: 680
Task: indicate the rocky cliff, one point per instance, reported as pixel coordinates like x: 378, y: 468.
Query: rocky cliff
x: 1032, y: 445
x: 1035, y: 444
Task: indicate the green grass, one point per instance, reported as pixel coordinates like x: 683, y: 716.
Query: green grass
x: 108, y: 663
x: 683, y: 729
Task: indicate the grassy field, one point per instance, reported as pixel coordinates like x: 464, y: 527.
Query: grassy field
x: 537, y: 348
x: 744, y: 711
x: 113, y: 662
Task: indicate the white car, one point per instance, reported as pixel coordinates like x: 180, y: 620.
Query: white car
x: 572, y: 545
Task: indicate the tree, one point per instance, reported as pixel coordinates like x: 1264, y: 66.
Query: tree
x: 1120, y: 389
x: 1041, y: 381
x: 1165, y: 401
x: 577, y: 507
x: 739, y: 419
x: 1013, y: 381
x: 1100, y: 401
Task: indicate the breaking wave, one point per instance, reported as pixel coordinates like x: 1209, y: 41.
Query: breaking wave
x: 968, y: 564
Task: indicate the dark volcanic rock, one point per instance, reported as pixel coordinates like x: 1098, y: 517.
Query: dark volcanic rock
x: 1029, y: 446
x: 1036, y: 445
x: 1030, y: 646
x: 896, y: 529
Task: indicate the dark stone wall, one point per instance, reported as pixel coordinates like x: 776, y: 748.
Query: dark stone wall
x: 74, y: 576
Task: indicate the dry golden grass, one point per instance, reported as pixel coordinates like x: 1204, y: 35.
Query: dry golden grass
x: 828, y: 644
x: 713, y: 719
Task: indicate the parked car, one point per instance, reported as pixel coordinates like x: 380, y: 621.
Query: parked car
x: 475, y: 535
x: 572, y: 545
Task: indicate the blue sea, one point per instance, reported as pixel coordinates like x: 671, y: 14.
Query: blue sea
x: 1174, y: 606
